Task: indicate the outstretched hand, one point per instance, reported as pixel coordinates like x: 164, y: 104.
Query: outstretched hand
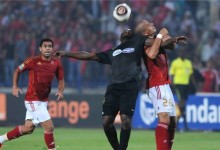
x: 181, y: 39
x: 59, y: 54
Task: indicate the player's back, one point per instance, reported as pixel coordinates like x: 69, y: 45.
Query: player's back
x: 125, y: 59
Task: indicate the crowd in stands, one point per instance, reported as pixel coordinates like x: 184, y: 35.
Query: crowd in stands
x: 88, y: 25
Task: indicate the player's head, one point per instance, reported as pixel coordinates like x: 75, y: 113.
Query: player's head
x: 145, y: 28
x: 46, y: 47
x: 209, y: 64
x: 126, y: 35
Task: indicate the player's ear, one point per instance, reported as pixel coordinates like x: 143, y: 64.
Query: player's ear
x: 40, y: 49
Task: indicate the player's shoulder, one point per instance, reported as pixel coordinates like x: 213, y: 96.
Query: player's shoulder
x: 139, y: 36
x: 31, y: 59
x: 55, y: 59
x: 177, y: 60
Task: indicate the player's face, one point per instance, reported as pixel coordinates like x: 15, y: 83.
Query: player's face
x: 46, y: 49
x: 126, y: 35
x: 149, y: 28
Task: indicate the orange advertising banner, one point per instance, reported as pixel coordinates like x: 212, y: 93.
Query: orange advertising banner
x: 3, y: 107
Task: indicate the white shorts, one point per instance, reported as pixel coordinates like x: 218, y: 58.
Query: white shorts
x: 162, y: 99
x: 37, y: 111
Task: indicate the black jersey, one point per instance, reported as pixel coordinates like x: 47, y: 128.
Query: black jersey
x: 125, y: 59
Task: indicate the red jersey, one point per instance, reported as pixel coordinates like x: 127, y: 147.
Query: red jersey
x: 210, y: 80
x: 157, y: 70
x: 41, y: 74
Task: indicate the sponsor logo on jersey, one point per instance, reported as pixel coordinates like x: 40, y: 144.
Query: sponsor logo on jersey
x: 39, y: 63
x: 128, y: 50
x: 52, y: 62
x: 119, y: 51
x: 21, y: 67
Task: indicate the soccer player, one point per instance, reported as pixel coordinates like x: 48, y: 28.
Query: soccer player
x: 122, y: 90
x: 42, y: 70
x: 159, y: 91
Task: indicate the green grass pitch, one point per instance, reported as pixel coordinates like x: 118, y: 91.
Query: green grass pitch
x: 94, y: 139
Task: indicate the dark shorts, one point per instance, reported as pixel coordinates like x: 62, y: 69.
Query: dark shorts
x: 120, y: 97
x: 182, y: 91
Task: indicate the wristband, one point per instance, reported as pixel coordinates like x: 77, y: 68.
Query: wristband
x: 159, y: 36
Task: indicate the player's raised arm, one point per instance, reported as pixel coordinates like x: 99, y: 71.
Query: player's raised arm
x: 15, y: 89
x: 81, y: 55
x: 168, y: 42
x: 153, y: 50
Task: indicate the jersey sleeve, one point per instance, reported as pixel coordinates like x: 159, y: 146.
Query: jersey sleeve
x: 26, y: 65
x: 60, y: 71
x: 105, y: 57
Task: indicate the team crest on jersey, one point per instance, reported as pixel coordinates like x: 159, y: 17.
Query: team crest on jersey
x: 119, y: 51
x: 21, y: 67
x: 39, y: 63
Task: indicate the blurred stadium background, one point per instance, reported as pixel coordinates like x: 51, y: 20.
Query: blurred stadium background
x: 88, y: 25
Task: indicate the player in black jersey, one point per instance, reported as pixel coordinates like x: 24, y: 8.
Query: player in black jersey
x: 122, y: 90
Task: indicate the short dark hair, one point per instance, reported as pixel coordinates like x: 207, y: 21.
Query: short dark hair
x: 45, y: 40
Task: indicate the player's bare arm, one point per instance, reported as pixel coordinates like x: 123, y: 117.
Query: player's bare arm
x: 15, y: 89
x: 168, y: 42
x: 81, y: 55
x: 59, y: 93
x: 153, y: 50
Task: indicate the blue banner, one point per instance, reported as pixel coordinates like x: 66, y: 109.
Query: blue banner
x: 202, y: 113
x: 144, y: 115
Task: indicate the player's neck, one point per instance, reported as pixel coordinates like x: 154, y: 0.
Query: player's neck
x: 46, y: 58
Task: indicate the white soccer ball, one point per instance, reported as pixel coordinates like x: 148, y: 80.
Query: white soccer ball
x: 122, y: 12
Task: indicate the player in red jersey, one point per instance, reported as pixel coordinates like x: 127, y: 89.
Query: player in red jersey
x: 42, y: 69
x: 210, y: 75
x: 159, y: 90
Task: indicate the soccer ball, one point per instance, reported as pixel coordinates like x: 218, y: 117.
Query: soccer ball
x: 122, y: 12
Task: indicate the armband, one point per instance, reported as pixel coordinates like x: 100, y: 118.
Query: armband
x: 159, y: 36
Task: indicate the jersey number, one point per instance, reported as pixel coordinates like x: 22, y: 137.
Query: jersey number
x: 167, y: 102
